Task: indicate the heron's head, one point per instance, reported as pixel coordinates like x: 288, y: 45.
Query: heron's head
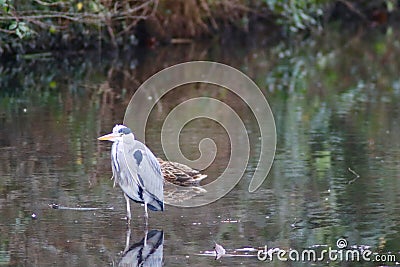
x: 117, y: 134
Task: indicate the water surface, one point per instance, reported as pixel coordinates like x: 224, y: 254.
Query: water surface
x: 335, y: 101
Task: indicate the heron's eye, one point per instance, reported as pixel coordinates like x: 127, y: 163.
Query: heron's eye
x: 125, y: 131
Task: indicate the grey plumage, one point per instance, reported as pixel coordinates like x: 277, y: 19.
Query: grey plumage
x: 136, y: 170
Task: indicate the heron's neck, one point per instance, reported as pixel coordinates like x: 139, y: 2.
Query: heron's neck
x: 128, y: 139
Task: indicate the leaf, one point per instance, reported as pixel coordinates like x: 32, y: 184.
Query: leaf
x: 79, y: 6
x: 13, y: 26
x: 53, y: 84
x: 19, y: 33
x: 390, y: 6
x: 23, y: 28
x: 52, y: 29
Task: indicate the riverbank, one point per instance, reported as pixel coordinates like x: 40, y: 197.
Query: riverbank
x: 41, y: 27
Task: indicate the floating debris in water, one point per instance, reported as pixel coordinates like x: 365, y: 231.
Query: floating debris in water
x: 319, y: 246
x: 297, y: 223
x: 219, y: 251
x: 53, y: 205
x: 356, y: 174
x: 247, y: 249
x: 230, y: 221
x: 34, y: 216
x: 56, y: 206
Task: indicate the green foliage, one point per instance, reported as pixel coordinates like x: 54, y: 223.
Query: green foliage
x: 13, y: 25
x: 63, y: 23
x: 21, y: 29
x: 77, y: 22
x: 297, y: 15
x: 4, y: 4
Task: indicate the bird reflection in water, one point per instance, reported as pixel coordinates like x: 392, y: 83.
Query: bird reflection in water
x: 147, y: 252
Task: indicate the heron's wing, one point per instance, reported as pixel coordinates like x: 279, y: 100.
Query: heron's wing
x: 145, y: 170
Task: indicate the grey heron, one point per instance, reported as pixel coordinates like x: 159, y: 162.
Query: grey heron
x: 136, y: 170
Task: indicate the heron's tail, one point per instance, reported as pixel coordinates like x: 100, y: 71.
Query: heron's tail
x: 153, y: 203
x: 156, y: 205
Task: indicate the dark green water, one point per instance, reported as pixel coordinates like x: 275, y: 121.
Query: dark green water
x: 335, y: 99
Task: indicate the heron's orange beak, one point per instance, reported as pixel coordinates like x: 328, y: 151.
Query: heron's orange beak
x: 108, y: 137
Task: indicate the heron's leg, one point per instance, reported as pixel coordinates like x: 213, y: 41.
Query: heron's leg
x: 146, y: 215
x: 128, y: 208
